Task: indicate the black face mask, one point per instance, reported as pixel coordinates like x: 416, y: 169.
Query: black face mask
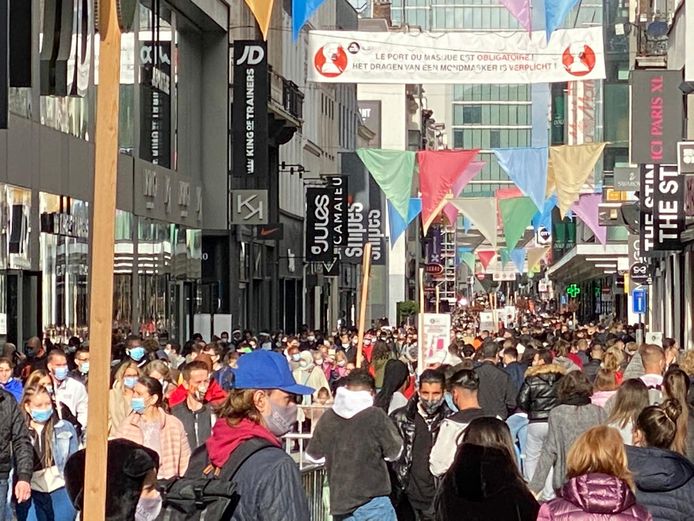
x: 30, y: 351
x: 431, y: 406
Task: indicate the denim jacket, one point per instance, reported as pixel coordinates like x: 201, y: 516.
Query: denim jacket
x: 65, y: 443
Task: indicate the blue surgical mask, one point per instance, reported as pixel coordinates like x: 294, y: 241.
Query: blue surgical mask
x: 60, y: 373
x: 129, y: 381
x: 41, y: 415
x: 84, y: 368
x: 449, y: 401
x: 137, y: 353
x: 137, y: 404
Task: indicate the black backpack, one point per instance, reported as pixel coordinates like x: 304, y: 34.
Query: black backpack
x: 206, y: 492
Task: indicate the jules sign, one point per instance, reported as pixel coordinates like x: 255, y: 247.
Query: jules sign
x: 319, y: 224
x: 656, y: 116
x: 662, y: 209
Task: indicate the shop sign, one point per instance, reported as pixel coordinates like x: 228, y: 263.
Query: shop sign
x: 685, y: 157
x: 656, y: 116
x: 626, y: 178
x: 339, y: 209
x: 65, y: 224
x: 249, y: 207
x: 688, y: 195
x: 364, y: 225
x: 249, y: 111
x: 662, y: 209
x: 543, y: 236
x: 433, y: 269
x: 319, y: 238
x: 456, y: 57
x: 155, y: 102
x: 436, y: 335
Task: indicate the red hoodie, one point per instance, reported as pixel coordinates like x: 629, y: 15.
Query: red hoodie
x: 225, y: 438
x: 214, y: 395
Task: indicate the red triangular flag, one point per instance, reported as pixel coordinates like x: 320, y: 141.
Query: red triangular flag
x: 486, y: 256
x: 438, y: 171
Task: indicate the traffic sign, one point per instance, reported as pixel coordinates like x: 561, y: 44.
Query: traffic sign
x: 639, y: 301
x: 573, y: 291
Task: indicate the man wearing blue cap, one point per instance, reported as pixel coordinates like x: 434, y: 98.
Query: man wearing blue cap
x: 261, y: 407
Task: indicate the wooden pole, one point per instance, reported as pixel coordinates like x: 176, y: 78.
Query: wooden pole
x: 438, y: 297
x: 101, y: 266
x: 420, y: 324
x: 365, y: 272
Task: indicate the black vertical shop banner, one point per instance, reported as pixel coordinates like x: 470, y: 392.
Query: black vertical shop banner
x: 4, y: 67
x: 155, y: 102
x: 662, y: 209
x: 249, y: 112
x: 339, y: 209
x: 319, y: 225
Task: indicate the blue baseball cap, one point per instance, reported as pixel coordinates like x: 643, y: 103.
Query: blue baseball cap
x: 267, y: 370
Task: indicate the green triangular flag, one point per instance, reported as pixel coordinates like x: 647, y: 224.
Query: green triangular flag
x: 469, y: 259
x: 516, y: 215
x: 393, y: 171
x: 505, y: 256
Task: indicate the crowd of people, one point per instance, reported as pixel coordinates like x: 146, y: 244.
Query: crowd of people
x: 547, y: 420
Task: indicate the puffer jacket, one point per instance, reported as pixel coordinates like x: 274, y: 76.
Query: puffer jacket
x: 538, y: 394
x: 404, y: 421
x: 14, y: 440
x: 664, y: 483
x: 594, y: 496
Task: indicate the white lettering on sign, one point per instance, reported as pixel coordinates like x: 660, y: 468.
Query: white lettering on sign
x: 246, y: 203
x: 322, y: 225
x: 252, y: 55
x: 250, y: 121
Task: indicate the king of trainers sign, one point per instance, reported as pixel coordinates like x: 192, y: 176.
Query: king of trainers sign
x: 662, y: 209
x: 656, y: 116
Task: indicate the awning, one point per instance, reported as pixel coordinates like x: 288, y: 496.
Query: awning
x: 587, y: 261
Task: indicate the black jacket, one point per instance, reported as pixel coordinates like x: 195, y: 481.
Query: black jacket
x: 591, y: 369
x: 484, y: 484
x: 538, y: 395
x: 404, y: 419
x: 14, y: 440
x: 664, y: 483
x: 198, y: 424
x: 497, y: 395
x: 517, y: 373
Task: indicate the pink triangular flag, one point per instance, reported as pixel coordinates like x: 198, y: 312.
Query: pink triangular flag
x: 468, y: 175
x: 451, y: 213
x: 587, y: 209
x: 520, y: 9
x: 486, y: 256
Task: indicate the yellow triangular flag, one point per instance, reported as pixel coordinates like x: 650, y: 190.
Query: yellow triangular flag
x: 568, y: 168
x: 262, y: 10
x: 535, y: 255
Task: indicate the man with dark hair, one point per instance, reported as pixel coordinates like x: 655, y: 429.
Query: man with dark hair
x: 497, y: 395
x: 66, y: 390
x: 357, y: 439
x: 81, y: 372
x: 418, y: 423
x: 195, y: 415
x: 597, y: 351
x: 464, y: 386
x: 511, y: 365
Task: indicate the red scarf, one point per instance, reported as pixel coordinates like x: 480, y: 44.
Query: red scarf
x: 225, y: 438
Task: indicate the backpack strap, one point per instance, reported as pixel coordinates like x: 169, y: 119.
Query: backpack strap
x: 240, y: 455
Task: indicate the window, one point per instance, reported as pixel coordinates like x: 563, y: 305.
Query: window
x: 458, y: 139
x: 472, y: 114
x: 494, y: 139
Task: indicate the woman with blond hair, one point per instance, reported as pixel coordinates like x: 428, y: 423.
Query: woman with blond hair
x: 676, y: 387
x: 599, y: 484
x: 121, y: 393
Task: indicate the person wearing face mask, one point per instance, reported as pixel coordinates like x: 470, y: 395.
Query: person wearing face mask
x: 311, y: 343
x: 215, y: 395
x: 81, y: 372
x: 149, y: 425
x: 195, y: 415
x: 135, y: 352
x: 67, y: 391
x: 120, y: 395
x: 357, y: 441
x: 54, y: 441
x: 173, y: 353
x: 348, y: 348
x: 418, y: 423
x: 260, y: 408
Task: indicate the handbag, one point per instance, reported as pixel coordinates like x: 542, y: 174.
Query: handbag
x: 47, y: 480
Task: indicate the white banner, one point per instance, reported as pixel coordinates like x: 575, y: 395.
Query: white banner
x: 436, y: 337
x: 456, y: 57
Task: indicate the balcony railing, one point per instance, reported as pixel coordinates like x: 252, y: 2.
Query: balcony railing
x: 287, y: 94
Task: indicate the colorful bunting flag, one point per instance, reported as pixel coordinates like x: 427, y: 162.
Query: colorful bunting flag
x: 474, y: 168
x: 543, y: 219
x: 302, y: 10
x: 393, y: 171
x: 555, y: 13
x: 535, y: 255
x: 586, y: 208
x: 520, y: 9
x: 505, y: 255
x: 516, y: 215
x: 486, y: 257
x: 518, y: 258
x: 396, y: 224
x: 469, y: 259
x: 262, y: 11
x: 482, y: 212
x: 527, y: 168
x: 451, y: 213
x: 438, y: 170
x: 568, y: 168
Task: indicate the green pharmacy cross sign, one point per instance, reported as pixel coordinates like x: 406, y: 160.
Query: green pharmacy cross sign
x: 573, y: 291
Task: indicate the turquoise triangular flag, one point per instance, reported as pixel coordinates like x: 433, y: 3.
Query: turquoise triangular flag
x: 468, y: 258
x: 518, y: 258
x: 555, y: 13
x: 505, y: 256
x: 543, y: 219
x: 527, y: 168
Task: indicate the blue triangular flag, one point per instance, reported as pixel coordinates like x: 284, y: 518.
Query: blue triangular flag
x: 395, y: 222
x: 555, y: 13
x: 527, y: 168
x: 543, y: 219
x: 467, y: 224
x: 302, y: 10
x: 518, y: 258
